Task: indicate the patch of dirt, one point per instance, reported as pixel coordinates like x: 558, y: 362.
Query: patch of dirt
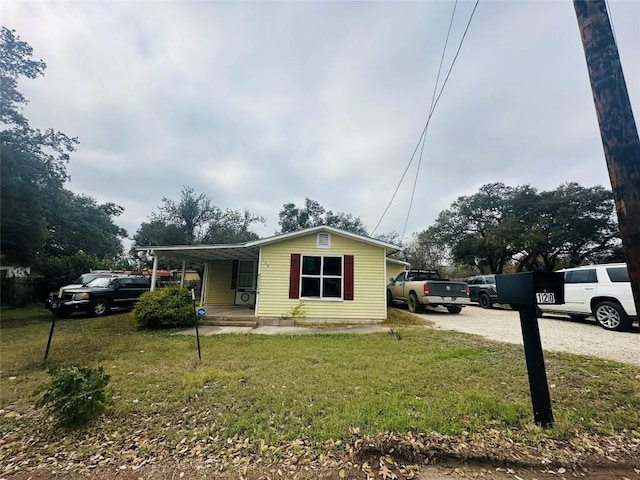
x: 9, y: 322
x: 492, y: 455
x: 446, y: 471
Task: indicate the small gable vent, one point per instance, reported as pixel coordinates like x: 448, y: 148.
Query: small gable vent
x: 323, y: 240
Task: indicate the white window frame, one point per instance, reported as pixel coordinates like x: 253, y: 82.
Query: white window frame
x: 321, y: 276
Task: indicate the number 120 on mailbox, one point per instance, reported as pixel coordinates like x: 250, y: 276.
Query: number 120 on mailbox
x: 546, y: 297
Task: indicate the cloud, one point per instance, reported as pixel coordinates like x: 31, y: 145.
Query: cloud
x: 261, y: 104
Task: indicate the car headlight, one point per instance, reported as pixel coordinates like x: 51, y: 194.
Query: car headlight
x: 80, y: 296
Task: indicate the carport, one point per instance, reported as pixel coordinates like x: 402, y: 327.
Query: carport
x: 201, y: 253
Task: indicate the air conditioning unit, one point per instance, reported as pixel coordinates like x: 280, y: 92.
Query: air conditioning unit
x: 245, y: 298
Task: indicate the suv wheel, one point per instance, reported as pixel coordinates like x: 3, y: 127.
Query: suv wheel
x: 611, y: 316
x: 414, y: 305
x: 99, y: 307
x: 484, y: 301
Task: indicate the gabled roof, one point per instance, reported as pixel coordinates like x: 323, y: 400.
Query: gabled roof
x: 251, y: 250
x: 324, y: 228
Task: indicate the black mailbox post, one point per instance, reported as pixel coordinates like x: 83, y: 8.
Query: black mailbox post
x: 524, y: 291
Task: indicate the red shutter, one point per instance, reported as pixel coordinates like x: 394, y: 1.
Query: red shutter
x: 234, y: 274
x: 294, y: 276
x: 348, y: 277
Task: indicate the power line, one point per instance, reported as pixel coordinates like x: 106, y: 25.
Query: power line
x: 424, y: 130
x: 424, y: 137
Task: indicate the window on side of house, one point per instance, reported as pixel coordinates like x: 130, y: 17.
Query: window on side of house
x: 246, y: 274
x: 321, y: 277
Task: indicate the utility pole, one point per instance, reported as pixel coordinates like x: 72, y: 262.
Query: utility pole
x: 617, y: 127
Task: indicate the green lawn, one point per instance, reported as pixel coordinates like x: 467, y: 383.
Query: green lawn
x: 317, y: 387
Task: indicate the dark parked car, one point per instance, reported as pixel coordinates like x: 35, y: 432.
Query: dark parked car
x: 81, y: 281
x: 482, y: 289
x: 101, y: 295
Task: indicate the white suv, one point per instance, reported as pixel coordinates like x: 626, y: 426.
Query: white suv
x: 603, y: 291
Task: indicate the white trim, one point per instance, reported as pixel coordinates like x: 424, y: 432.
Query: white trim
x: 395, y: 260
x: 326, y: 299
x: 384, y: 284
x: 255, y: 308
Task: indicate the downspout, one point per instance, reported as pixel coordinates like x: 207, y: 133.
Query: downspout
x: 155, y: 270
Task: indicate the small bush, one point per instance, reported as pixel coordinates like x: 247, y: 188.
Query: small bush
x: 296, y: 311
x: 166, y: 307
x: 76, y: 395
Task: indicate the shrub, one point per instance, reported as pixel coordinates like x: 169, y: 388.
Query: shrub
x: 297, y: 311
x: 166, y: 307
x: 76, y: 395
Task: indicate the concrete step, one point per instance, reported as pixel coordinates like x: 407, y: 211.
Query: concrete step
x: 229, y: 322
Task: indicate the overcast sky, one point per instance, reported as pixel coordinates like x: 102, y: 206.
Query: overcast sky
x: 258, y: 104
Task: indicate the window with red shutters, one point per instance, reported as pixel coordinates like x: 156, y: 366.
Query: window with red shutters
x: 321, y: 277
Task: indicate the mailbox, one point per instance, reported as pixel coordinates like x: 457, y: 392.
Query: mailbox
x: 525, y: 291
x: 530, y: 288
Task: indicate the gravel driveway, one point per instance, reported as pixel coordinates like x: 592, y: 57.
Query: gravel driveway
x: 558, y: 333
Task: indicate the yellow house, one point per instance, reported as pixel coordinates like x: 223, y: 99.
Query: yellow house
x: 317, y: 274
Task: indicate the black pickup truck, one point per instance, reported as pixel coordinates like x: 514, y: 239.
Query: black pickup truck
x: 482, y: 289
x: 101, y: 295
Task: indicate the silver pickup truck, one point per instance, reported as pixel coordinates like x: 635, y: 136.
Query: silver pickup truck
x: 421, y: 288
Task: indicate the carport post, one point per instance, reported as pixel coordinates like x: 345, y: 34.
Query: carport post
x: 184, y: 268
x: 154, y: 271
x: 540, y: 398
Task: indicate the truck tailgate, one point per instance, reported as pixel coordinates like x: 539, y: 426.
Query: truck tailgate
x: 447, y: 289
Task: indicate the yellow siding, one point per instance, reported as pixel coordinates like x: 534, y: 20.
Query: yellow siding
x: 393, y: 270
x: 369, y: 282
x: 219, y: 290
x: 190, y: 276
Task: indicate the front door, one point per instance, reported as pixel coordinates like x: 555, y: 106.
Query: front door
x: 245, y: 282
